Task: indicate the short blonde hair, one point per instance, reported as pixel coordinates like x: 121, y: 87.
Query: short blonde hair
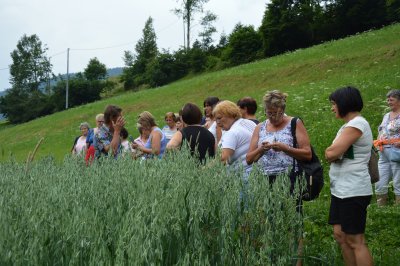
x: 227, y: 108
x: 275, y: 98
x: 146, y: 120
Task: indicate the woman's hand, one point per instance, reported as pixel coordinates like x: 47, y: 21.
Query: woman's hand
x: 137, y: 146
x: 265, y: 146
x: 119, y: 123
x: 279, y: 146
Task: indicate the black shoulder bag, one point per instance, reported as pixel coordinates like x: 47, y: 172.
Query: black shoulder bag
x: 311, y: 170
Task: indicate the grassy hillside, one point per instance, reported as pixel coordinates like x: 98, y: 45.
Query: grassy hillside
x: 369, y: 61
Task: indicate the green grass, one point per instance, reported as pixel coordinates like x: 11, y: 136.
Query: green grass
x: 155, y: 212
x: 369, y: 61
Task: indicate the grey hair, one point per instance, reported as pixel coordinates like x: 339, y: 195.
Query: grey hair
x: 275, y: 99
x: 393, y: 93
x: 84, y: 124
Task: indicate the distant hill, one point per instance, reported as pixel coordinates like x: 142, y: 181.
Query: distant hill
x: 111, y: 72
x: 116, y: 71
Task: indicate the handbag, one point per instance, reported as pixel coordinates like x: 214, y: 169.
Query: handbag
x: 311, y: 170
x: 373, y: 166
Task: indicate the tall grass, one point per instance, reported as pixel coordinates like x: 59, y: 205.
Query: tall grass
x: 128, y: 212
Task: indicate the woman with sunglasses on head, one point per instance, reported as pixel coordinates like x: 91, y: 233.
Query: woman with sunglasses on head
x: 272, y: 141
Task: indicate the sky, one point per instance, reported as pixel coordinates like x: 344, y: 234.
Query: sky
x: 105, y: 29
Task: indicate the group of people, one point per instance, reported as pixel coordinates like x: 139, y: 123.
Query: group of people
x: 243, y: 141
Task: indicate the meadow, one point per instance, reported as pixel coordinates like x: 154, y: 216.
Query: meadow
x: 52, y: 207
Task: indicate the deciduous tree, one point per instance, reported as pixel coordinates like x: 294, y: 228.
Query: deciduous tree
x: 95, y: 70
x: 186, y: 11
x: 30, y: 65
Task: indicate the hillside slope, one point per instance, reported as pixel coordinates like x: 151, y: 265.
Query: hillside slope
x: 369, y: 61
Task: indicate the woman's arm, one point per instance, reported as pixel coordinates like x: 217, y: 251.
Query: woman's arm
x: 156, y: 142
x: 348, y: 137
x: 226, y: 154
x: 218, y: 133
x: 116, y: 140
x: 255, y: 151
x: 176, y: 141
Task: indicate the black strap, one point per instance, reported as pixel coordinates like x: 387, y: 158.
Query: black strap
x: 293, y: 123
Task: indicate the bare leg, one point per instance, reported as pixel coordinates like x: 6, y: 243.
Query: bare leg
x: 300, y: 252
x: 360, y: 249
x: 347, y: 251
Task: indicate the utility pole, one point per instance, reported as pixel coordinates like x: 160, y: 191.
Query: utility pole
x: 184, y: 34
x: 66, y: 89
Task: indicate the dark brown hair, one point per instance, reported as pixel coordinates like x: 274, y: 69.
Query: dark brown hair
x: 111, y: 113
x: 249, y: 103
x: 191, y: 114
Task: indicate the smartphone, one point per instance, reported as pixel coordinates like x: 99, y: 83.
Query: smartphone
x: 131, y: 139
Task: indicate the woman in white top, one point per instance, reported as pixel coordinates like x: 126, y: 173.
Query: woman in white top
x: 79, y: 147
x: 236, y: 140
x: 350, y: 181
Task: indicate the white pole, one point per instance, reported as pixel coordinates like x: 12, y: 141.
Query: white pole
x: 66, y: 90
x: 184, y: 34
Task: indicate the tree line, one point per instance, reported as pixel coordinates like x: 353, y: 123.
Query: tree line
x: 287, y: 25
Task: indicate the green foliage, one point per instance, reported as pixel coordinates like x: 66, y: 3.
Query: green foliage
x: 25, y: 100
x: 30, y: 65
x: 293, y: 24
x: 146, y: 51
x: 143, y: 212
x: 287, y: 25
x: 21, y: 106
x: 81, y: 91
x: 244, y: 45
x: 95, y: 70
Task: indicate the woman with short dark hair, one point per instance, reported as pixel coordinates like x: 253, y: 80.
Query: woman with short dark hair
x: 200, y: 141
x: 210, y: 124
x: 350, y: 181
x: 248, y: 107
